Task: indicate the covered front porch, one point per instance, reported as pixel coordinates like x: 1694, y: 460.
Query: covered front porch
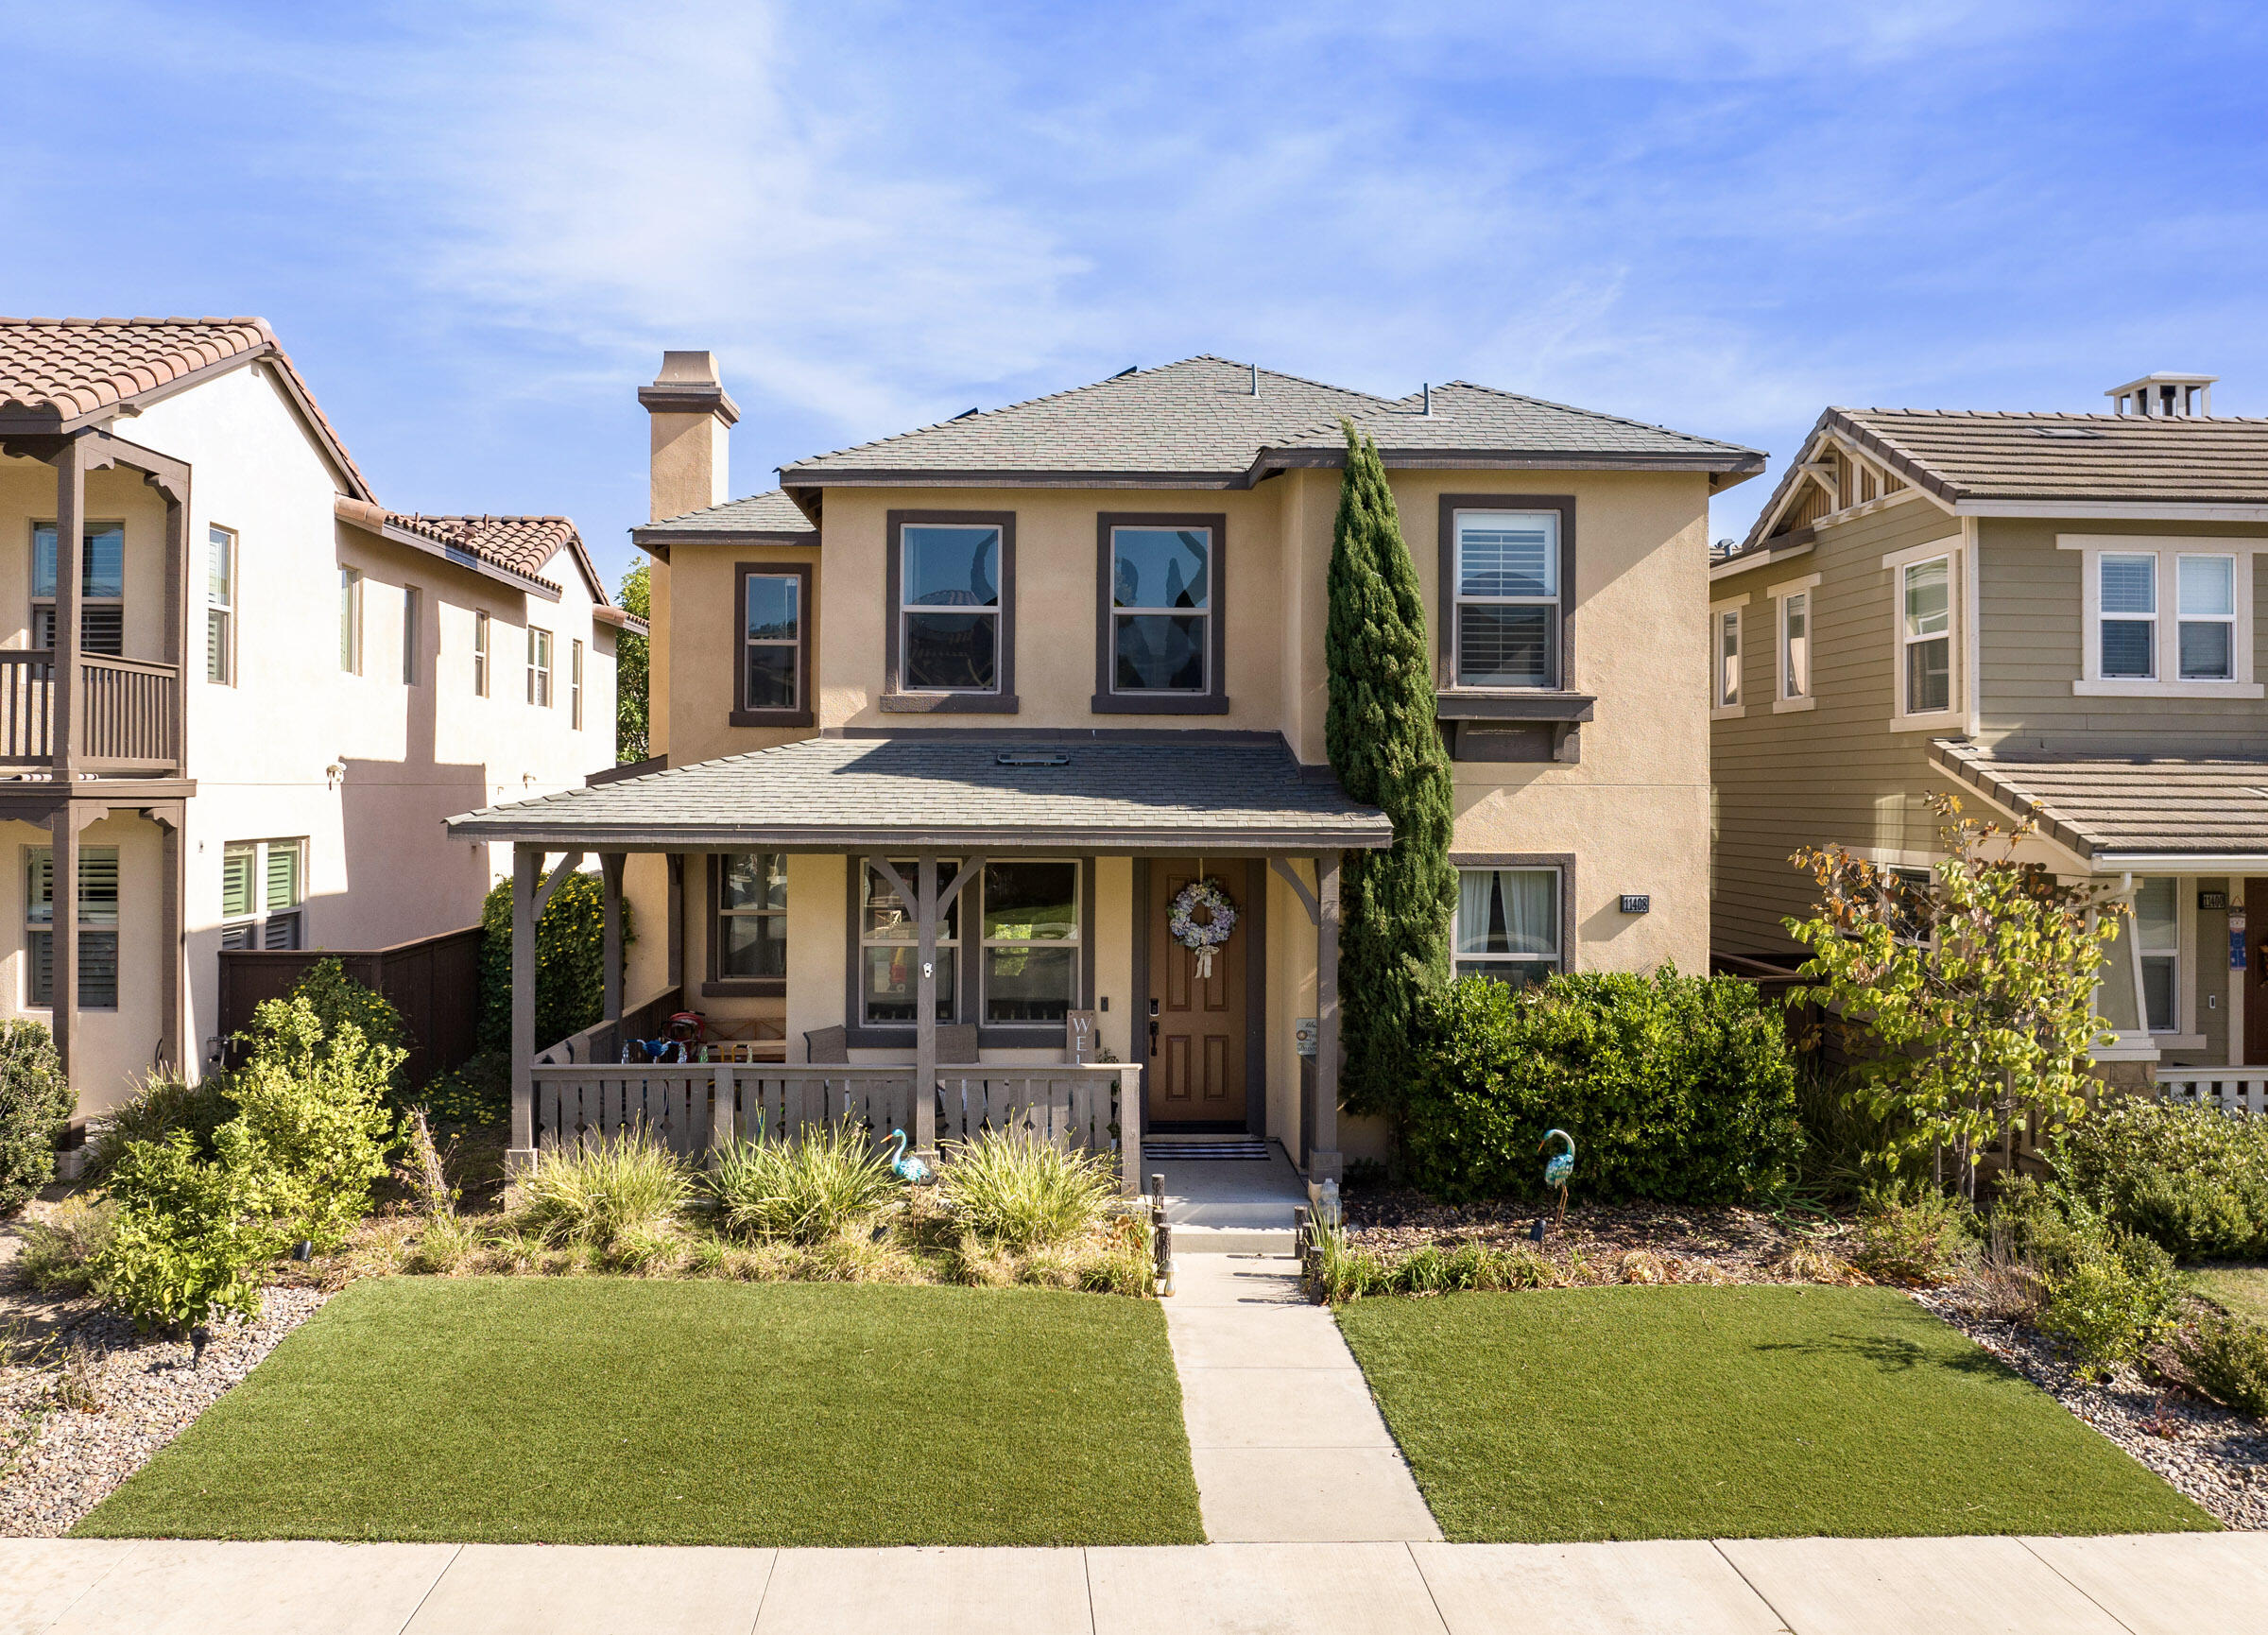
x: 943, y: 936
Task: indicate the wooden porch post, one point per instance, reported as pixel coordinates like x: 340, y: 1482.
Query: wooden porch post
x: 675, y: 976
x: 925, y: 1012
x: 171, y: 960
x: 70, y: 523
x: 609, y: 870
x: 527, y: 867
x: 1323, y: 1161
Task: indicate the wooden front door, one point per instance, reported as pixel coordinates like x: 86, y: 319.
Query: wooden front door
x: 2255, y: 974
x: 1196, y: 1029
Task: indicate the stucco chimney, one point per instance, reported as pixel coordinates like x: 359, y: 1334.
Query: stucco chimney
x: 691, y: 414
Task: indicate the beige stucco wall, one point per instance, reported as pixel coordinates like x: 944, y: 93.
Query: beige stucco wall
x: 705, y: 637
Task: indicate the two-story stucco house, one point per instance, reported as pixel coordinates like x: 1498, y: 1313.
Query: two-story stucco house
x: 951, y: 720
x: 237, y: 694
x: 2052, y: 615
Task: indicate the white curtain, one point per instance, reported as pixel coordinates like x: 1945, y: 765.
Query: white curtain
x: 1509, y: 911
x: 1473, y: 893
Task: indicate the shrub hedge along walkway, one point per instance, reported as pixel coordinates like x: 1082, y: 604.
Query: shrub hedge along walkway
x: 1753, y: 1412
x: 615, y: 1411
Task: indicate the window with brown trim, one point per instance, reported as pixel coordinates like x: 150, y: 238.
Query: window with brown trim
x: 949, y: 640
x: 747, y: 925
x: 771, y: 631
x: 1507, y: 591
x: 1160, y: 639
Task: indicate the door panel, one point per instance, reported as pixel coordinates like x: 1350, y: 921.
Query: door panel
x: 1196, y: 1060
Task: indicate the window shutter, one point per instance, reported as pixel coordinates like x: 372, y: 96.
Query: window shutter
x: 282, y: 877
x: 99, y: 885
x: 236, y: 899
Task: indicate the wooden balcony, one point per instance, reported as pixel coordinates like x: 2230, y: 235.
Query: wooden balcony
x: 126, y: 714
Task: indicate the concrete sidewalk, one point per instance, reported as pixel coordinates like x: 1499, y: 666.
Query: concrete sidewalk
x: 2165, y: 1584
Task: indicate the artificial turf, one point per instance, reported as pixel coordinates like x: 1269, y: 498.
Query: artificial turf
x: 1750, y: 1412
x: 609, y: 1410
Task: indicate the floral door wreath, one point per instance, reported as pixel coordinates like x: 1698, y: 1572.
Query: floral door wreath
x: 1201, y: 937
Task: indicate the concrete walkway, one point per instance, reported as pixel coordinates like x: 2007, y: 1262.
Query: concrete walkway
x: 1237, y: 1208
x: 2168, y: 1584
x: 1285, y: 1440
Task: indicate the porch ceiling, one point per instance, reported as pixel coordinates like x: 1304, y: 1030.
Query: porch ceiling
x: 2121, y: 812
x: 929, y: 791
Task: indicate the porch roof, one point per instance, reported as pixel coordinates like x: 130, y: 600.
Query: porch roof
x: 2195, y: 814
x: 929, y: 790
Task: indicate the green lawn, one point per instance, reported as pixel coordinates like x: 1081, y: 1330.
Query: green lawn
x: 1753, y: 1412
x: 2241, y: 1291
x: 608, y: 1410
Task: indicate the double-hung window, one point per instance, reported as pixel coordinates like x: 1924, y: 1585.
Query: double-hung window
x: 1162, y: 609
x: 574, y: 684
x: 539, y: 666
x: 350, y: 620
x: 2127, y: 630
x: 751, y: 915
x: 1725, y: 684
x: 101, y: 588
x: 1926, y: 635
x: 1507, y: 923
x: 480, y: 655
x: 1031, y: 935
x: 263, y: 894
x: 2165, y: 615
x: 413, y: 633
x: 773, y: 651
x: 1906, y: 891
x: 220, y: 606
x: 2157, y: 941
x: 97, y: 926
x: 1507, y: 607
x: 949, y: 586
x: 889, y: 969
x: 2205, y: 618
x: 1795, y: 645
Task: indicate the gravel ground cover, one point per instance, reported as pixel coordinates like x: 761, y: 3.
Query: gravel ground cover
x: 1706, y: 1245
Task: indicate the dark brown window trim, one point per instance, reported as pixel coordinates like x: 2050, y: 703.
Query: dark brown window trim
x: 1447, y: 609
x: 968, y: 995
x: 895, y: 699
x: 714, y: 984
x: 1563, y: 861
x: 1214, y: 699
x: 805, y: 645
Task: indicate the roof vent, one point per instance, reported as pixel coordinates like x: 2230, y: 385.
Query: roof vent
x: 2065, y: 434
x: 2165, y: 396
x: 965, y: 414
x: 1255, y: 380
x: 1031, y: 758
x: 1429, y: 399
x: 1127, y: 371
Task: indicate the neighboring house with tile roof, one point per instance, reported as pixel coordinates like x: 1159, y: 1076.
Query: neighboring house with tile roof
x: 2051, y: 615
x: 258, y: 693
x: 1042, y: 668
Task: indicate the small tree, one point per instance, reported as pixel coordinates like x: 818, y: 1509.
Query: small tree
x: 630, y: 671
x: 35, y: 1103
x: 1969, y: 1005
x: 571, y: 942
x: 1380, y: 734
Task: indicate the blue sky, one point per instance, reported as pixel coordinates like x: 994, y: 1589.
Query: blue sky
x: 476, y: 226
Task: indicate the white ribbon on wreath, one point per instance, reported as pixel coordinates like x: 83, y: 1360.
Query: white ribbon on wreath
x: 1201, y: 937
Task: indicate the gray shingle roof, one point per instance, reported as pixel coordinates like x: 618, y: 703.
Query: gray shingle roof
x: 827, y: 794
x: 2109, y: 807
x: 770, y: 515
x: 1198, y: 424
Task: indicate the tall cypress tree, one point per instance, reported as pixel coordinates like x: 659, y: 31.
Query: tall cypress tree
x: 1394, y: 905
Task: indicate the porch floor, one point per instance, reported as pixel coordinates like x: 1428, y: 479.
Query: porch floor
x: 1227, y: 1207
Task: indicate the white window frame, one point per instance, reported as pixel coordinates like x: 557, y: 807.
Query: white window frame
x: 220, y: 603
x: 1722, y: 616
x: 481, y: 654
x: 2168, y: 550
x: 1554, y: 962
x: 413, y: 633
x: 1785, y: 597
x: 539, y: 666
x: 93, y: 924
x: 350, y: 621
x: 1954, y: 716
x: 255, y: 930
x: 574, y: 683
x: 2184, y: 904
x: 1554, y: 653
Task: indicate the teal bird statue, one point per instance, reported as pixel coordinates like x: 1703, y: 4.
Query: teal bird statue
x: 1559, y: 1167
x: 910, y: 1170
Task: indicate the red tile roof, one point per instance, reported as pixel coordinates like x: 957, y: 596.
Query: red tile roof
x: 73, y: 369
x: 519, y: 545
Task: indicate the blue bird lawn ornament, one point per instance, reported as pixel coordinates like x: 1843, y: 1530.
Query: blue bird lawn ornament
x: 910, y: 1170
x: 1558, y: 1167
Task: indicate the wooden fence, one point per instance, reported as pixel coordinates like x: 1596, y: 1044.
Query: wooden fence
x: 434, y: 982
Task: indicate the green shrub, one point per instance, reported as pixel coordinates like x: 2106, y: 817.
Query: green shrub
x: 473, y: 1096
x: 1676, y: 1088
x: 2116, y: 1296
x: 338, y: 1000
x: 313, y: 1104
x: 165, y: 1103
x: 1021, y: 1193
x: 2194, y: 1180
x: 570, y: 974
x: 191, y: 1231
x: 59, y: 1253
x: 1126, y: 1264
x: 35, y: 1106
x: 599, y: 1193
x: 804, y: 1191
x: 1914, y: 1234
x: 2229, y: 1358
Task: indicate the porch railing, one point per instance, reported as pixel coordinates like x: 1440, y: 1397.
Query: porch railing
x: 2230, y: 1089
x: 692, y: 1107
x: 126, y: 711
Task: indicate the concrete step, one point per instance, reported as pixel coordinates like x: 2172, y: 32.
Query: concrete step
x: 1231, y: 1240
